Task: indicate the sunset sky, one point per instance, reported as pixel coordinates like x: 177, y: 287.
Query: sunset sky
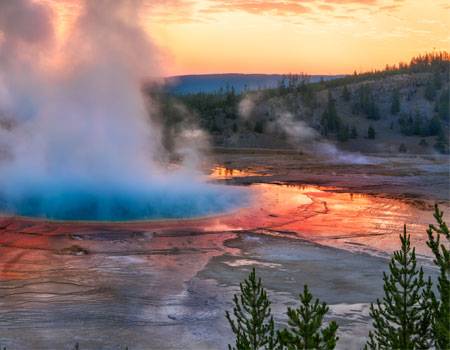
x: 281, y: 36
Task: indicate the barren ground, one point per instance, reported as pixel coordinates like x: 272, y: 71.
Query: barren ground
x: 166, y: 285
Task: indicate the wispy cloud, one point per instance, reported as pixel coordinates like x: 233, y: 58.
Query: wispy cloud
x: 276, y: 7
x: 297, y: 7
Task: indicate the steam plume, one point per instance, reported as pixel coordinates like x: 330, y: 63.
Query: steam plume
x: 299, y: 134
x: 81, y: 144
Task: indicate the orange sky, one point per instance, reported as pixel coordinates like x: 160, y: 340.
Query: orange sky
x: 281, y: 36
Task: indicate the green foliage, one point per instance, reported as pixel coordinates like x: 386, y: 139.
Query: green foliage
x: 443, y: 105
x: 395, y: 103
x: 306, y: 329
x: 213, y: 127
x: 297, y: 85
x: 330, y: 121
x: 402, y: 320
x: 441, y: 305
x: 371, y: 133
x: 343, y: 133
x: 418, y: 125
x: 253, y: 323
x: 435, y: 62
x: 366, y: 103
x: 208, y: 105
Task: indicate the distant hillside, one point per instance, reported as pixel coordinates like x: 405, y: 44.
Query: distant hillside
x: 188, y: 84
x: 401, y: 109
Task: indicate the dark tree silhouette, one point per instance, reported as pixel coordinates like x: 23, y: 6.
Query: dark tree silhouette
x: 441, y: 305
x: 402, y: 319
x: 306, y: 329
x: 253, y: 323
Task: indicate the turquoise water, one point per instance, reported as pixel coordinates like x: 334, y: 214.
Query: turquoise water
x: 115, y: 202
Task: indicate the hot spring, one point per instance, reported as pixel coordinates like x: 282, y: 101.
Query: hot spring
x: 80, y: 139
x: 119, y: 201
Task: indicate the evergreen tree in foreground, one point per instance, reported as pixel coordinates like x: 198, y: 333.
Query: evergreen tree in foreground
x: 305, y: 326
x: 402, y: 320
x: 253, y: 324
x: 441, y: 307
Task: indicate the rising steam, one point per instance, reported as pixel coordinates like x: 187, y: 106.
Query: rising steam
x: 299, y: 134
x: 76, y: 140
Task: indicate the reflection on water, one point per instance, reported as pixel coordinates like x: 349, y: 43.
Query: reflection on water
x: 224, y: 173
x: 321, y: 214
x: 114, y: 277
x: 346, y: 220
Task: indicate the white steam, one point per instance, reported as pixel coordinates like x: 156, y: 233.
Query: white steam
x: 299, y: 134
x: 82, y: 144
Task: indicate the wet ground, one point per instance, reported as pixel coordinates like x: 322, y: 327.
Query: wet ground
x: 166, y: 285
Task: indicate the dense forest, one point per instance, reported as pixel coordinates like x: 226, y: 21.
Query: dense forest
x: 402, y: 108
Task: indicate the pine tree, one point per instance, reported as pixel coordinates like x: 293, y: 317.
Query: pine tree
x: 343, y: 133
x: 402, y: 320
x: 330, y: 121
x: 395, y: 104
x: 430, y: 91
x: 434, y: 126
x: 443, y: 105
x: 253, y: 325
x: 306, y: 329
x: 441, y: 306
x: 371, y: 132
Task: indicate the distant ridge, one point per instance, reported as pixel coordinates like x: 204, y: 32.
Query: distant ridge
x: 186, y: 84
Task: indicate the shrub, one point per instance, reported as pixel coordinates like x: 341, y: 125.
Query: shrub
x: 395, y: 103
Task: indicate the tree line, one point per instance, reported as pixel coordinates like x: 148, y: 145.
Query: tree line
x: 218, y: 112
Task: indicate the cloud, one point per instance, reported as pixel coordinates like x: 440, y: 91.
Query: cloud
x: 185, y: 11
x: 25, y: 21
x: 296, y: 7
x: 259, y: 7
x: 171, y: 11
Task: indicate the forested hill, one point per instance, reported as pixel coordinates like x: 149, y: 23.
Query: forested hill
x: 212, y: 83
x: 401, y: 109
